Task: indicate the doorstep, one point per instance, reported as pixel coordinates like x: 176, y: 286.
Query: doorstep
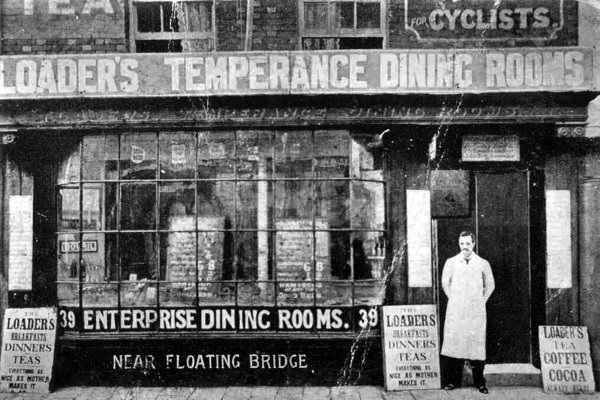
x: 512, y: 375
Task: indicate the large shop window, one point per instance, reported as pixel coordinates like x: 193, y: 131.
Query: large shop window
x: 173, y: 26
x: 240, y: 218
x: 342, y: 24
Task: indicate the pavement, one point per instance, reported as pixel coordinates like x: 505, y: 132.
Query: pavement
x: 291, y: 393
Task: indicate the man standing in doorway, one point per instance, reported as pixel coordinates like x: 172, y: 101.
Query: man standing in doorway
x: 468, y: 283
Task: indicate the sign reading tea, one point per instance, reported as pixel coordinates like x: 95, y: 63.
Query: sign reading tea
x: 566, y: 359
x: 28, y: 342
x: 411, y: 347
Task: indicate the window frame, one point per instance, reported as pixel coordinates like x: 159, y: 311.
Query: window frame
x: 135, y: 35
x: 381, y: 32
x: 83, y: 184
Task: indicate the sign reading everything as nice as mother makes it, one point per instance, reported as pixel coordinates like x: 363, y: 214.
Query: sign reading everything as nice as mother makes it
x: 410, y: 347
x: 28, y: 342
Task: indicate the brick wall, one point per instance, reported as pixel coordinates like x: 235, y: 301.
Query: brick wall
x: 275, y: 25
x: 65, y: 26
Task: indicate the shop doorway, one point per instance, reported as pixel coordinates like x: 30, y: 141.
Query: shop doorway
x: 499, y: 212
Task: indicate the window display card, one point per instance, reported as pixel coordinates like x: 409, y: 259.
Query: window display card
x: 418, y: 212
x: 20, y: 246
x: 558, y: 239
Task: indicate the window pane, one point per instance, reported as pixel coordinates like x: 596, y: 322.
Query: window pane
x: 135, y: 294
x: 368, y: 15
x: 254, y: 153
x: 342, y: 15
x: 100, y: 154
x: 210, y: 263
x: 332, y: 154
x: 293, y: 154
x: 110, y: 209
x: 341, y: 268
x: 138, y: 202
x: 368, y: 255
x: 198, y: 16
x: 68, y: 294
x: 246, y: 207
x: 332, y: 200
x: 68, y: 209
x: 216, y: 199
x: 112, y: 256
x: 368, y: 205
x: 294, y: 252
x: 148, y: 17
x: 138, y: 256
x: 93, y: 253
x: 215, y: 154
x: 93, y: 208
x: 246, y: 256
x: 171, y: 16
x: 102, y: 295
x: 177, y: 155
x: 369, y: 292
x: 216, y: 293
x: 69, y: 167
x: 177, y: 205
x: 315, y: 16
x: 295, y: 293
x: 256, y: 293
x: 178, y: 256
x: 364, y: 161
x: 177, y: 294
x: 293, y: 200
x: 68, y: 258
x: 138, y: 156
x: 334, y: 294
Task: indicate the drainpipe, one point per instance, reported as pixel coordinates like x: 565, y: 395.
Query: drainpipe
x: 249, y: 24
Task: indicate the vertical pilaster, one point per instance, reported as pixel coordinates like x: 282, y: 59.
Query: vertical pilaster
x: 589, y: 255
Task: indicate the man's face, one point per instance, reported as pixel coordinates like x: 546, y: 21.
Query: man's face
x: 466, y: 246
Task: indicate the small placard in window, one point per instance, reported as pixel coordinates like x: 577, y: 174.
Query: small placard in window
x: 72, y: 246
x: 178, y: 154
x: 138, y: 154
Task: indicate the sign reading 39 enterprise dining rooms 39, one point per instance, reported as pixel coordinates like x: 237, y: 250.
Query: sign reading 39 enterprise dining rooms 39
x: 345, y: 72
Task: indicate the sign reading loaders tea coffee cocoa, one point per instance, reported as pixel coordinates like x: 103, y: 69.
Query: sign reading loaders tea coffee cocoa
x: 566, y: 360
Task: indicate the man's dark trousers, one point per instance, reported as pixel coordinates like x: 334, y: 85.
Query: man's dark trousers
x: 453, y: 368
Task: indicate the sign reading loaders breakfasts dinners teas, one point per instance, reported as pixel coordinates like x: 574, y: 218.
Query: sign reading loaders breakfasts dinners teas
x: 28, y: 343
x: 566, y: 359
x: 411, y: 347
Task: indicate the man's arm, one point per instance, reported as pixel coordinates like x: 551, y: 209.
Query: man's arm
x: 447, y: 277
x: 488, y: 281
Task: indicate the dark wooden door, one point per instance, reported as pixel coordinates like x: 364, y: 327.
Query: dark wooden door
x: 502, y: 216
x: 499, y: 214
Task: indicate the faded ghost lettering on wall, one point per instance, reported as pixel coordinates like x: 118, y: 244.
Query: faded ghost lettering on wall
x: 70, y: 7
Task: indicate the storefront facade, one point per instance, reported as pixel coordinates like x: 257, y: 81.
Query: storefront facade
x: 228, y: 218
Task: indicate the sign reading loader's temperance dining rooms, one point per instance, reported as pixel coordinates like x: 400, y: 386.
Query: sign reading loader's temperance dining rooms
x: 352, y: 72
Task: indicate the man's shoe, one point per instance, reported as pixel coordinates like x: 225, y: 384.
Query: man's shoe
x: 483, y: 389
x: 449, y: 387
